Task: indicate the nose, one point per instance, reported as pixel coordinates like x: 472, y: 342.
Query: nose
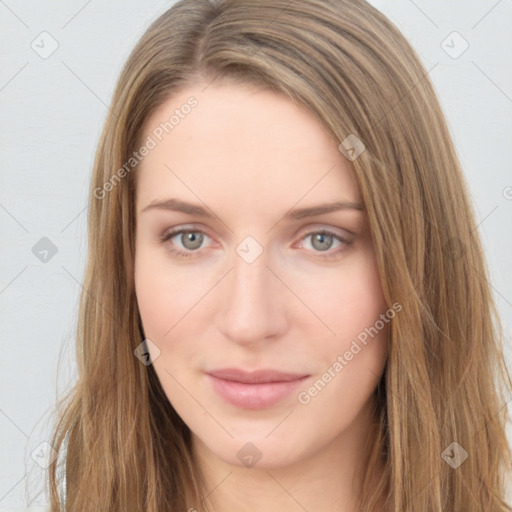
x: 252, y: 302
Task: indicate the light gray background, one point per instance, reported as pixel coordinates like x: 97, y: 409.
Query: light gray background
x: 52, y: 111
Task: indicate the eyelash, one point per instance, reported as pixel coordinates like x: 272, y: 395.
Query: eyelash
x: 187, y: 254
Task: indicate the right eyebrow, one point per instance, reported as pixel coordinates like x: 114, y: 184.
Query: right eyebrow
x: 177, y: 205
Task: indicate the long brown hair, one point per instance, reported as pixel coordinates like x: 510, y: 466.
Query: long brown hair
x: 123, y: 445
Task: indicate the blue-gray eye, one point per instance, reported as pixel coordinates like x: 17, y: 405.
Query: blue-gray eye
x: 195, y: 238
x: 324, y: 240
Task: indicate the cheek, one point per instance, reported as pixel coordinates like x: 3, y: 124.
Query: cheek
x: 348, y: 299
x: 157, y: 306
x: 163, y: 296
x: 351, y: 359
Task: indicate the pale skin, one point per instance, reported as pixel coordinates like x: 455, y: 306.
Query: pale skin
x: 250, y: 156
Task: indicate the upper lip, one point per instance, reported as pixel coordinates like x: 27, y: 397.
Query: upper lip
x: 255, y: 377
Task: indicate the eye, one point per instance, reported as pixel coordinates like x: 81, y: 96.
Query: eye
x: 322, y: 241
x: 191, y: 240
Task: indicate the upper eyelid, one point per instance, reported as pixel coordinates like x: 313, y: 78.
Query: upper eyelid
x: 172, y: 232
x: 305, y: 231
x: 316, y: 227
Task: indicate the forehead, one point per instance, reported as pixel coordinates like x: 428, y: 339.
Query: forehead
x: 241, y: 144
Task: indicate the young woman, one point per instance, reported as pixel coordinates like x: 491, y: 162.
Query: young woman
x: 285, y: 305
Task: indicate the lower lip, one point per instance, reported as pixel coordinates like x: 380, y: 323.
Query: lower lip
x: 254, y: 396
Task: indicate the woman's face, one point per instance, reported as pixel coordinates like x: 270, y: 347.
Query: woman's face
x: 244, y: 278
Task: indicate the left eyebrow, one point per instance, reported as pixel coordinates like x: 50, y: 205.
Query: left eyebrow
x: 311, y: 211
x: 178, y: 205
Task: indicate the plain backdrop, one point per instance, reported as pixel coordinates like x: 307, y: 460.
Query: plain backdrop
x: 59, y: 61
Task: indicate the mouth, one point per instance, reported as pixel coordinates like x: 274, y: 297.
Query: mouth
x: 254, y: 390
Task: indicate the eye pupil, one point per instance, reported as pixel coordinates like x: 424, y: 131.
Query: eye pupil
x: 320, y: 237
x: 192, y: 236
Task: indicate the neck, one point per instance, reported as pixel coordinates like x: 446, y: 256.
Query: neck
x: 329, y: 479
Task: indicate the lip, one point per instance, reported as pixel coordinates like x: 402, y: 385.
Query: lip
x: 254, y: 390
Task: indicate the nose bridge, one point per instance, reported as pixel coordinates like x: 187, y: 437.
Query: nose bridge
x: 251, y: 279
x: 251, y: 308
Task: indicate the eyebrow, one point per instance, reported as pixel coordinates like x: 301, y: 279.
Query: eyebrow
x: 177, y: 205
